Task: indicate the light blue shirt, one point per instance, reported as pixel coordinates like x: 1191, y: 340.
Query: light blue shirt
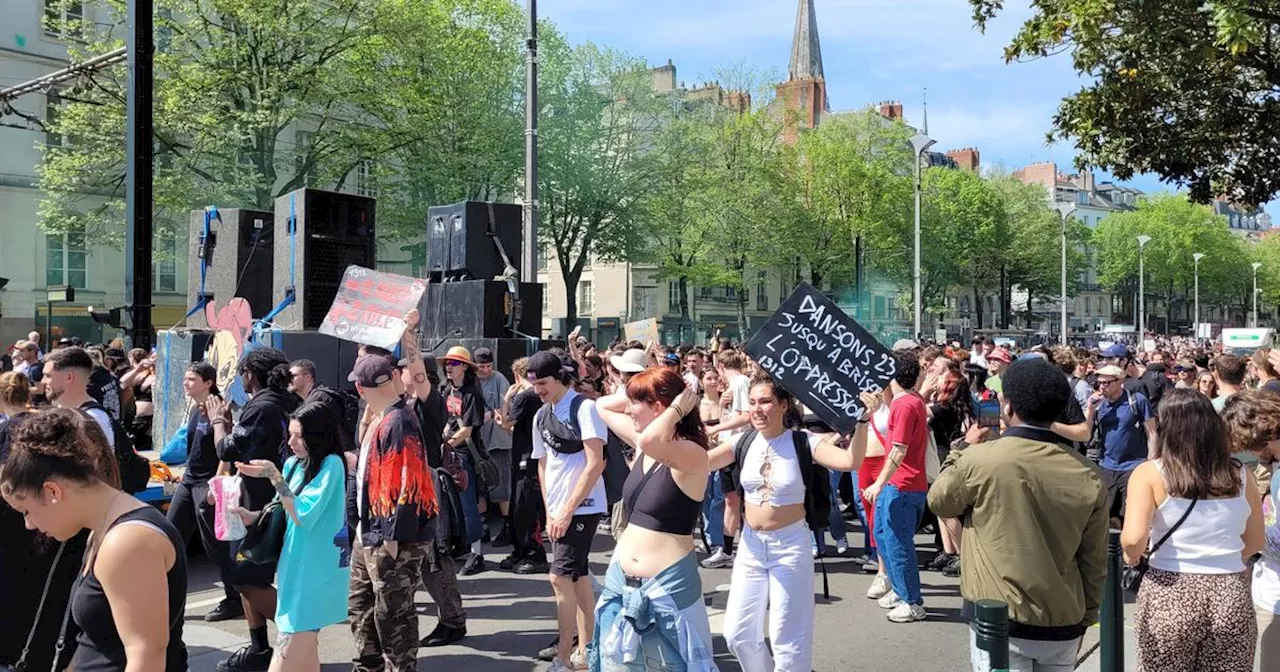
x: 314, y: 571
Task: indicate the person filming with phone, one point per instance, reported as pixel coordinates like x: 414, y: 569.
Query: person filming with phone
x: 1125, y: 433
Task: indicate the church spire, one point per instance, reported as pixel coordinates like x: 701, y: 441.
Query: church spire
x: 806, y: 52
x: 925, y: 100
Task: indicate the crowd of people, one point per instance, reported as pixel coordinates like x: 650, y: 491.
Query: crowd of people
x: 1017, y: 462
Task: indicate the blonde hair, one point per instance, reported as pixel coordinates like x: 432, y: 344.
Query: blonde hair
x: 15, y: 389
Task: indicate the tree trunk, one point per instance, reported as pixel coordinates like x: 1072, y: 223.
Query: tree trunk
x: 570, y: 299
x: 977, y: 306
x: 1006, y: 301
x: 741, y: 266
x: 683, y: 284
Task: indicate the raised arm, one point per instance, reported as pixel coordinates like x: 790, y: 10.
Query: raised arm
x: 412, y: 353
x: 613, y: 411
x: 659, y: 441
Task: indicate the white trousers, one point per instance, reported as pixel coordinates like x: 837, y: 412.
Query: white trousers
x: 773, y: 570
x: 1026, y: 655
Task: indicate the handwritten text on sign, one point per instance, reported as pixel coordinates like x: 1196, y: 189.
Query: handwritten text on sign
x: 822, y: 356
x: 371, y: 305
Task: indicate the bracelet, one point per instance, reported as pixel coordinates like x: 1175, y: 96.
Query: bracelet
x: 219, y: 421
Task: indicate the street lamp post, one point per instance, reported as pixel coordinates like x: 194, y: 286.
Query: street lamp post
x: 1142, y: 287
x: 919, y: 142
x: 1065, y: 210
x: 1256, y: 266
x: 1195, y: 326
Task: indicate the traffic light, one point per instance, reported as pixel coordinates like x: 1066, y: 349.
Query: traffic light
x: 113, y: 317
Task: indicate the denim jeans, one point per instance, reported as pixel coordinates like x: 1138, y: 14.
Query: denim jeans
x: 897, y: 517
x: 471, y: 501
x: 660, y: 630
x: 713, y: 511
x: 836, y: 521
x: 868, y: 534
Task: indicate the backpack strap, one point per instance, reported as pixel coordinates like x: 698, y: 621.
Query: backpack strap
x: 739, y: 456
x: 804, y: 458
x: 573, y: 414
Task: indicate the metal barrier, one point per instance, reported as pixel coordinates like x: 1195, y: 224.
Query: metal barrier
x: 1111, y: 621
x: 991, y: 632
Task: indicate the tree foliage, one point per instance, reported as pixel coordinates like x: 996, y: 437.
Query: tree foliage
x: 1184, y: 89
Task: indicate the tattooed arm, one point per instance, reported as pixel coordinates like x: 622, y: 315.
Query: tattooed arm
x: 420, y: 388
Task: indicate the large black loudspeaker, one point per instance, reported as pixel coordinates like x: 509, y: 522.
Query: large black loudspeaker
x: 334, y: 358
x: 478, y: 309
x: 333, y: 231
x: 241, y: 263
x: 461, y: 240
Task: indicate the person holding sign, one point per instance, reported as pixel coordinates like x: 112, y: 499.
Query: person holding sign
x: 654, y: 563
x: 781, y: 478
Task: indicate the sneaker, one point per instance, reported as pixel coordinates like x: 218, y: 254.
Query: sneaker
x: 548, y: 652
x: 942, y: 559
x: 504, y: 536
x: 870, y: 566
x: 952, y: 570
x: 816, y: 552
x: 558, y: 665
x: 509, y: 562
x: 246, y: 660
x: 225, y: 611
x: 879, y: 587
x: 475, y: 565
x: 906, y: 613
x: 842, y: 546
x: 578, y: 659
x: 861, y: 559
x: 889, y: 600
x: 532, y: 565
x: 444, y: 635
x: 718, y: 560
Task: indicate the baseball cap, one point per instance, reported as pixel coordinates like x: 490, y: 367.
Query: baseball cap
x: 483, y: 356
x: 671, y: 358
x: 1111, y: 371
x: 545, y: 365
x: 114, y: 353
x: 372, y: 371
x: 1000, y: 355
x: 905, y: 344
x: 1116, y: 351
x: 634, y: 360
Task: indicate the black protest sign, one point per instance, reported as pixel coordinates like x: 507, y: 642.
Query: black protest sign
x: 819, y: 354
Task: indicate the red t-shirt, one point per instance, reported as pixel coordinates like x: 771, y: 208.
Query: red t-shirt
x: 909, y: 426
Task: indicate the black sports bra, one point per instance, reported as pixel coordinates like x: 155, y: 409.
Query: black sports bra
x: 655, y: 502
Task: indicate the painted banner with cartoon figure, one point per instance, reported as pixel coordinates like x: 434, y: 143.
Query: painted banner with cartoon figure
x: 370, y: 306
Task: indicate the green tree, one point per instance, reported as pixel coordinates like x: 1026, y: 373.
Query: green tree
x: 1183, y: 88
x: 599, y: 116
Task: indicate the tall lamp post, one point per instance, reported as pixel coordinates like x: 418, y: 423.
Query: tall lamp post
x: 1142, y: 287
x: 920, y: 143
x: 1065, y: 210
x: 1256, y: 266
x: 1195, y: 326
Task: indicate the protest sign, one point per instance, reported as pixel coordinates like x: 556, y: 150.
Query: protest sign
x: 645, y: 331
x: 822, y: 356
x: 370, y: 307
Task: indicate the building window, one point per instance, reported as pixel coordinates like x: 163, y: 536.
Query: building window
x: 546, y: 301
x: 366, y: 185
x: 65, y: 260
x: 586, y: 300
x: 164, y: 276
x: 762, y: 291
x: 302, y: 143
x: 64, y: 18
x: 892, y: 308
x: 542, y: 258
x: 673, y: 295
x: 52, y: 110
x: 643, y: 302
x: 1082, y: 198
x: 964, y: 304
x: 164, y: 29
x: 878, y: 308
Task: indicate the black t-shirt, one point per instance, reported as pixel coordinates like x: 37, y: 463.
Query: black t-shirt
x: 34, y: 373
x: 465, y: 408
x: 332, y: 399
x: 523, y: 407
x: 202, y: 457
x: 104, y: 388
x: 946, y: 425
x: 431, y: 417
x: 261, y: 434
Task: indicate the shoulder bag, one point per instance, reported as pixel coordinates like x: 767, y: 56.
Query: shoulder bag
x: 21, y: 665
x: 264, y: 540
x: 1131, y: 579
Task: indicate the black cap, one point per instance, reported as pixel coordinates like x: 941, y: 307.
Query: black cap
x: 483, y: 356
x: 114, y: 353
x: 545, y: 365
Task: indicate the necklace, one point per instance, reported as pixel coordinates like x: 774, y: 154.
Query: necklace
x: 100, y: 531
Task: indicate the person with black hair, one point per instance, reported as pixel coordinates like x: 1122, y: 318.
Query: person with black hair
x: 260, y: 434
x: 899, y: 491
x: 1028, y: 541
x: 464, y: 402
x: 302, y: 382
x: 189, y: 509
x: 315, y: 560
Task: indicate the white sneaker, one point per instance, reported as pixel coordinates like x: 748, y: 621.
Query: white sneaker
x: 879, y: 587
x: 815, y: 551
x: 558, y: 665
x: 889, y: 600
x: 906, y: 613
x: 578, y: 660
x: 842, y: 547
x: 718, y: 560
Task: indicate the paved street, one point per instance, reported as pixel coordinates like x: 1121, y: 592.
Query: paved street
x: 510, y: 617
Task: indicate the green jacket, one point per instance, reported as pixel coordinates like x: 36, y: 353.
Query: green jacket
x: 1035, y: 519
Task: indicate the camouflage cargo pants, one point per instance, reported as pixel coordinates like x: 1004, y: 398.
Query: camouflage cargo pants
x: 384, y: 622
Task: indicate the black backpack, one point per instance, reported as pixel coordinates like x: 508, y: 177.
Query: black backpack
x: 450, y: 522
x: 135, y: 470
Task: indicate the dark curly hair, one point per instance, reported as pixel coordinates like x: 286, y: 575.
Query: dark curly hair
x: 269, y: 367
x: 58, y: 443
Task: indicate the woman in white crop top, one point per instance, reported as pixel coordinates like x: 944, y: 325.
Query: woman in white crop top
x: 773, y: 568
x: 1194, y: 607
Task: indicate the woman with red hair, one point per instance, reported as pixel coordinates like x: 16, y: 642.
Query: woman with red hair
x: 654, y: 572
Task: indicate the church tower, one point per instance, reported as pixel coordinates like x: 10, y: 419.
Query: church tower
x: 804, y: 94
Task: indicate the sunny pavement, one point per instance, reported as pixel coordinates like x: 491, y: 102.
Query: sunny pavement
x: 510, y: 617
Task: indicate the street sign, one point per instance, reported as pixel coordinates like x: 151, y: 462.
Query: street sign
x: 822, y: 356
x: 62, y: 294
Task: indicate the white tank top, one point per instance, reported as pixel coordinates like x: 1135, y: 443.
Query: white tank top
x: 1209, y: 541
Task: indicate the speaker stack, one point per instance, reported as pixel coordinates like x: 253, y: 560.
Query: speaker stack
x: 332, y: 231
x: 240, y: 260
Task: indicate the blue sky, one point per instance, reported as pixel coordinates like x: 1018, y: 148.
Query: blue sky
x: 872, y: 50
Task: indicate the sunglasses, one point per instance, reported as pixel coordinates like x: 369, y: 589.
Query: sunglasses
x: 453, y: 363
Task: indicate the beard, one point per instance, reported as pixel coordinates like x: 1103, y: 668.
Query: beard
x: 53, y: 393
